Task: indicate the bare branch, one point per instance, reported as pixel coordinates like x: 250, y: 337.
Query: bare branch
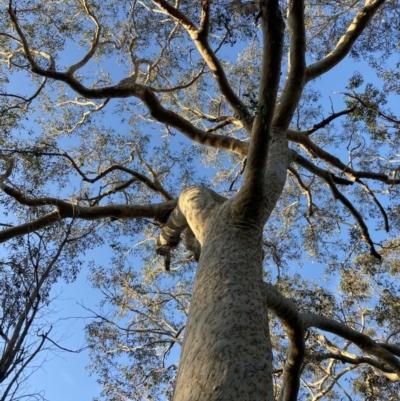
x: 367, y: 106
x: 377, y: 203
x: 295, y: 78
x: 365, y: 343
x: 343, y: 47
x: 252, y: 192
x: 66, y: 209
x: 346, y: 357
x: 22, y: 369
x: 292, y: 323
x: 327, y: 177
x: 156, y: 182
x: 154, y: 185
x: 315, y: 151
x: 327, y: 120
x: 180, y: 86
x: 305, y: 188
x: 28, y: 100
x: 200, y: 40
x: 27, y: 316
x: 93, y: 45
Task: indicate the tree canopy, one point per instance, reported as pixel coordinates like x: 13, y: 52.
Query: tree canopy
x: 115, y: 114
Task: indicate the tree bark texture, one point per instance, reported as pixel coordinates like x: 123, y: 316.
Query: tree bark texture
x: 226, y: 352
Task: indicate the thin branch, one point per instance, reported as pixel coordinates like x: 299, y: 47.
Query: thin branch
x: 315, y: 151
x: 327, y: 120
x: 305, y: 188
x: 26, y: 318
x: 238, y: 174
x: 22, y: 369
x: 153, y: 185
x: 378, y: 204
x: 327, y: 177
x: 29, y: 99
x: 181, y: 85
x: 46, y: 337
x: 167, y: 196
x: 86, y: 114
x: 345, y: 43
x: 334, y: 380
x: 377, y: 112
x: 228, y: 121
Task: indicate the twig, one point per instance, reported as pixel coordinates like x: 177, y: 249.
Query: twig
x: 327, y: 120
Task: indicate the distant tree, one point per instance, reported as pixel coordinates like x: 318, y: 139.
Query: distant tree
x: 29, y: 268
x: 138, y: 119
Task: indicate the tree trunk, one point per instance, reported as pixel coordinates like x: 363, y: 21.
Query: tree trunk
x: 226, y: 352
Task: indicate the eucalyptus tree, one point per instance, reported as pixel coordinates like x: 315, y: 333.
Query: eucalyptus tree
x: 141, y: 122
x: 28, y: 270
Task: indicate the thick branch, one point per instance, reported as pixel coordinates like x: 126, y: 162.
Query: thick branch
x: 204, y: 19
x: 93, y: 45
x: 316, y: 151
x: 193, y: 208
x: 272, y: 26
x: 66, y: 209
x: 41, y: 222
x: 365, y: 343
x: 346, y: 357
x: 250, y: 200
x: 199, y: 38
x: 295, y: 79
x: 292, y: 323
x: 170, y: 235
x: 343, y: 47
x: 129, y: 88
